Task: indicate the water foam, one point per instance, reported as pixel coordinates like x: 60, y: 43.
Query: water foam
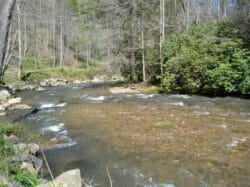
x: 176, y: 104
x: 52, y: 105
x: 54, y: 128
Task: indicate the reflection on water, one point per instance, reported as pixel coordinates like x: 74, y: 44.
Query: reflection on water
x: 145, y: 140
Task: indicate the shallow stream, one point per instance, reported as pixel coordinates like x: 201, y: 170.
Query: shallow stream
x: 143, y: 140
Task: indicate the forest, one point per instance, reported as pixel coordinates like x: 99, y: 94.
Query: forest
x: 124, y: 93
x: 185, y: 46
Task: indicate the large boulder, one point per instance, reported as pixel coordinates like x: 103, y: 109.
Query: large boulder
x: 67, y: 179
x: 4, y: 95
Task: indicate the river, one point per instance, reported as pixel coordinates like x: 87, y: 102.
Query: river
x: 143, y: 140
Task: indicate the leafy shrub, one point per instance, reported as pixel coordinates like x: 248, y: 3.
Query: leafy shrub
x: 207, y: 58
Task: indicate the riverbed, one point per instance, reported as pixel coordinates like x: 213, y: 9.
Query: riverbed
x: 143, y: 140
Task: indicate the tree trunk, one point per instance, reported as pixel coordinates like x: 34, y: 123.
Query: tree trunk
x: 61, y: 38
x: 54, y: 33
x: 143, y: 45
x: 6, y: 17
x: 19, y: 41
x: 25, y: 32
x: 162, y: 32
x: 7, y: 53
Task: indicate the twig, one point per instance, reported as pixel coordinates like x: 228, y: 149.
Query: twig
x: 89, y: 183
x: 47, y: 164
x: 109, y: 176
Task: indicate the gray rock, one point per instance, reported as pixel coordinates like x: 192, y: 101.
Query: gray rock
x: 21, y: 148
x: 56, y: 142
x: 11, y: 102
x: 4, y: 95
x: 4, y: 180
x: 12, y: 138
x: 67, y: 179
x: 28, y: 166
x: 44, y: 83
x: 40, y: 89
x: 2, y: 113
x: 43, y: 181
x: 36, y: 163
x: 33, y: 148
x: 2, y: 108
x: 77, y: 81
x: 20, y: 107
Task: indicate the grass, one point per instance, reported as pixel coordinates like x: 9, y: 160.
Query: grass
x: 38, y: 75
x: 7, y: 152
x: 35, y: 70
x: 31, y: 63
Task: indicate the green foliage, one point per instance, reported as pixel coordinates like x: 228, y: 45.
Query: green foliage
x: 37, y: 76
x: 3, y: 185
x: 7, y: 128
x: 73, y: 4
x: 32, y: 62
x: 26, y: 178
x: 207, y: 58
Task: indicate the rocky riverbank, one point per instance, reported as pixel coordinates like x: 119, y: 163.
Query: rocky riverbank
x: 26, y: 157
x: 8, y: 100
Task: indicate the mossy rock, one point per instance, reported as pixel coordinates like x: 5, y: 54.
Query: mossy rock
x: 162, y: 125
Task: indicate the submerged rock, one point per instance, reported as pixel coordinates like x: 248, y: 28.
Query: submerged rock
x: 70, y: 178
x: 121, y: 90
x: 40, y: 89
x: 56, y: 142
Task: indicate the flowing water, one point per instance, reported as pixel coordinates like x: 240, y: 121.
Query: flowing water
x: 144, y: 140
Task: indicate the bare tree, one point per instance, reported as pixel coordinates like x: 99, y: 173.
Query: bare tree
x: 6, y: 17
x: 20, y: 56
